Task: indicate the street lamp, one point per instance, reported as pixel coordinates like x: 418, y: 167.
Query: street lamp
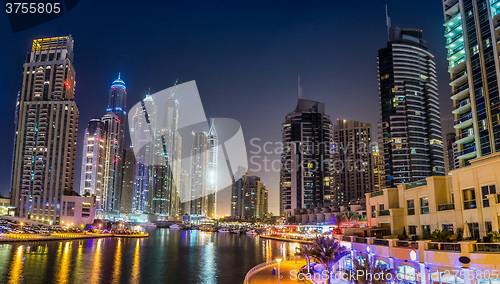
x: 279, y: 260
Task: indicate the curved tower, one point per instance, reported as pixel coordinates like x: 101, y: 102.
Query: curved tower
x: 409, y: 107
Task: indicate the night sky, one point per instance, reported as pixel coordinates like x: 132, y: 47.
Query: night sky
x: 244, y: 56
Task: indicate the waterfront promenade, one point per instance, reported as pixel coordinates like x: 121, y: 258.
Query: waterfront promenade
x: 8, y: 238
x: 288, y: 271
x: 265, y: 275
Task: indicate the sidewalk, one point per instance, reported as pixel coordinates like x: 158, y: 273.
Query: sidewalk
x: 265, y: 275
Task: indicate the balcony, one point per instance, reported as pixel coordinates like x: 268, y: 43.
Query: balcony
x: 445, y: 207
x: 464, y: 121
x: 464, y: 138
x: 416, y: 184
x: 460, y: 92
x: 384, y: 213
x: 376, y: 193
x: 462, y: 107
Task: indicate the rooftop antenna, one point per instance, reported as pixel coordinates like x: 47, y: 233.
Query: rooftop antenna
x: 300, y: 89
x: 388, y: 22
x: 119, y: 73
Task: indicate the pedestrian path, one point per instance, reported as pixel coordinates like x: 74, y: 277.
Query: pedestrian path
x: 288, y: 270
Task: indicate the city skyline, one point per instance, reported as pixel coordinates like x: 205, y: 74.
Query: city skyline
x: 318, y: 79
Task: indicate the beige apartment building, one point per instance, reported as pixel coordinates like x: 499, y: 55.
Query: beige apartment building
x: 466, y: 196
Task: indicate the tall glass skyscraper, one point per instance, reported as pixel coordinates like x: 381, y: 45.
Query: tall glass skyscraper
x: 305, y: 177
x: 46, y: 130
x: 472, y: 38
x: 213, y: 145
x: 114, y: 126
x: 411, y: 141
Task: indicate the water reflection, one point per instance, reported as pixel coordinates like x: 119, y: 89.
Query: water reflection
x: 135, y: 267
x: 118, y: 262
x: 96, y: 255
x: 16, y: 269
x: 166, y: 256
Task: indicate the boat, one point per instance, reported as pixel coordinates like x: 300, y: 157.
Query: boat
x: 224, y: 230
x: 252, y: 232
x: 148, y: 225
x: 236, y: 231
x: 175, y: 227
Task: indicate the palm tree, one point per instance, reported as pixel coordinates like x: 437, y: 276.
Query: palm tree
x: 307, y: 252
x: 327, y: 252
x: 369, y: 273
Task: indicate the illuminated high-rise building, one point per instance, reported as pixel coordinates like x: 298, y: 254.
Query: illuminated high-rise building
x: 411, y: 143
x: 353, y: 165
x: 114, y: 126
x: 213, y: 144
x: 46, y: 131
x: 305, y: 177
x: 141, y: 134
x: 249, y: 197
x: 128, y: 175
x: 199, y: 169
x: 472, y: 41
x: 91, y: 180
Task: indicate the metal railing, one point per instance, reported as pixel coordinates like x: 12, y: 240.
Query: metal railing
x: 377, y: 193
x: 360, y: 240
x: 486, y: 247
x: 256, y: 268
x: 444, y: 246
x: 384, y: 213
x: 381, y: 242
x: 346, y: 238
x: 407, y: 244
x: 444, y: 207
x: 416, y: 184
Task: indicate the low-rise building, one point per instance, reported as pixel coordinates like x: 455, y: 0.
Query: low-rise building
x: 467, y: 196
x: 77, y: 211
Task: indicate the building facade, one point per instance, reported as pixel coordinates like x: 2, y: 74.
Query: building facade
x: 305, y: 174
x: 213, y: 145
x: 91, y: 181
x: 128, y: 174
x: 472, y: 41
x: 114, y: 125
x: 46, y: 131
x: 411, y: 141
x: 451, y: 158
x: 77, y: 211
x: 353, y: 174
x: 199, y: 173
x: 249, y: 198
x: 465, y: 197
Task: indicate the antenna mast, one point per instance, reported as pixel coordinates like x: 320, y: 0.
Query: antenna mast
x: 300, y: 89
x: 388, y: 22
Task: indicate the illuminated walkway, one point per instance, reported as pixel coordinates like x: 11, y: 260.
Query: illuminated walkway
x: 265, y: 275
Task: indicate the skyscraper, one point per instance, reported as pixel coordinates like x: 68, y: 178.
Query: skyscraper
x: 305, y: 174
x: 352, y: 162
x: 46, y: 130
x: 199, y: 170
x: 249, y: 197
x: 91, y: 180
x: 141, y: 134
x: 472, y: 43
x: 213, y: 144
x: 451, y: 161
x: 114, y: 126
x: 410, y: 123
x: 128, y: 175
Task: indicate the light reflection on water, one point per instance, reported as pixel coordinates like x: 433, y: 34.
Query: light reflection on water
x: 166, y: 256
